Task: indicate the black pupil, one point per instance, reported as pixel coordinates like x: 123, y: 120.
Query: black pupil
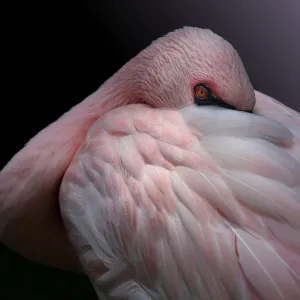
x: 202, y: 92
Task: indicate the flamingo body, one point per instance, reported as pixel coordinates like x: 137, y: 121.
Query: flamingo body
x: 160, y: 198
x: 172, y: 204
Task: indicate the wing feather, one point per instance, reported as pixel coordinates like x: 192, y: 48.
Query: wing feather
x: 210, y: 211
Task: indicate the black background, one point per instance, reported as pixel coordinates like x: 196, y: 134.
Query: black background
x: 57, y: 53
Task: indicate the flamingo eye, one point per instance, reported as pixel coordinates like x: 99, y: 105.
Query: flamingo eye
x: 201, y: 92
x: 203, y: 96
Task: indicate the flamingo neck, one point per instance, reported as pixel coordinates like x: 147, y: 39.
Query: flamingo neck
x: 63, y: 137
x: 36, y: 170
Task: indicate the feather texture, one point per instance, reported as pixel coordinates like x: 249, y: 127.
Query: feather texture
x: 269, y: 107
x: 210, y: 211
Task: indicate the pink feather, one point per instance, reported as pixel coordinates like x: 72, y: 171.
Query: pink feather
x: 162, y: 199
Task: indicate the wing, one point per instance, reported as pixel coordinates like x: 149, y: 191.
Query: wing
x: 187, y: 204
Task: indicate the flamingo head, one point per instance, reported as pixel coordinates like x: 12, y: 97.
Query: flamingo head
x: 193, y: 65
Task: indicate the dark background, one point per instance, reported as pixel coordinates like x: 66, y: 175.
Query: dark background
x: 56, y: 54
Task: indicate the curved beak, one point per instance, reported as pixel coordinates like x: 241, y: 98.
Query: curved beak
x: 218, y: 102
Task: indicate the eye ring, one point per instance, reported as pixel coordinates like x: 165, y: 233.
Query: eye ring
x: 201, y: 92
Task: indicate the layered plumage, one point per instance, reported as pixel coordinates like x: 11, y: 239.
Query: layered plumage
x: 207, y: 211
x: 163, y: 199
x: 190, y: 203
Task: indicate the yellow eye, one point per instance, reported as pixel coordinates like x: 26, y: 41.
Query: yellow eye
x: 201, y: 92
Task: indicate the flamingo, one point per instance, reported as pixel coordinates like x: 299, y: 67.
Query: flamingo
x: 176, y: 180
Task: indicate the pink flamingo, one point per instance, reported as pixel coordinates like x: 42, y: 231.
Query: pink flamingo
x: 162, y: 198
